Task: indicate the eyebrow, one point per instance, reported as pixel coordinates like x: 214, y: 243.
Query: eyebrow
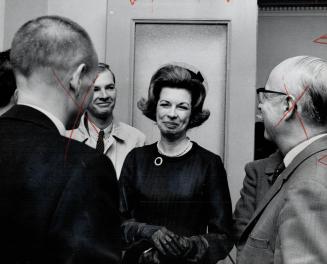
x: 164, y: 100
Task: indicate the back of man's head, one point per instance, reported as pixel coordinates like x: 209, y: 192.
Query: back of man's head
x: 306, y: 79
x: 52, y: 42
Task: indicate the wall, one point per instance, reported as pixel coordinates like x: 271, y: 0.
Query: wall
x: 2, y: 22
x: 283, y: 34
x: 89, y: 14
x: 17, y: 12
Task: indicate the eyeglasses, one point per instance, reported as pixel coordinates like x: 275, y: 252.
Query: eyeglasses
x: 262, y: 94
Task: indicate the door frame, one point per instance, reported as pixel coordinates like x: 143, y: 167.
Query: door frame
x: 223, y: 22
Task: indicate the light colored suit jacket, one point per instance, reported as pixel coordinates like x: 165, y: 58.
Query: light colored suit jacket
x: 290, y: 224
x: 257, y: 181
x: 117, y: 144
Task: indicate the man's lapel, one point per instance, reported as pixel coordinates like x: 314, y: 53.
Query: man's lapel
x: 316, y: 146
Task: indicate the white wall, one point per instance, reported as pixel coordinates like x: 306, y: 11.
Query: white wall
x: 2, y: 22
x: 89, y: 14
x: 285, y: 34
x: 17, y: 12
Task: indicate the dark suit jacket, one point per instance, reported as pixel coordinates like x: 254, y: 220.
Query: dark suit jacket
x: 258, y: 180
x: 52, y: 209
x: 290, y: 224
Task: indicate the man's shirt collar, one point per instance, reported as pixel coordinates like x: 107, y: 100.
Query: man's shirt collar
x: 290, y: 156
x: 114, y: 129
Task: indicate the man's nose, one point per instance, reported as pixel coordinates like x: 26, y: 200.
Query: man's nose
x: 103, y: 94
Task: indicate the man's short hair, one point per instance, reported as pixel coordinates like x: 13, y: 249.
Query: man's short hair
x: 102, y: 67
x: 7, y: 79
x: 312, y: 75
x: 51, y: 42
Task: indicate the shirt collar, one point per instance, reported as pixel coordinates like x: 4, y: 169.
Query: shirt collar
x: 115, y: 128
x: 59, y: 125
x: 289, y: 157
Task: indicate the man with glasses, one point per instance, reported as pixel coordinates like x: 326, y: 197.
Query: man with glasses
x: 290, y: 222
x: 259, y: 177
x: 100, y: 130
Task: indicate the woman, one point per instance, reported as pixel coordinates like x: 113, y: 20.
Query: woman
x: 173, y: 191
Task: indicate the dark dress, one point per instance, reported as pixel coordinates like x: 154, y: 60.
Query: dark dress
x: 186, y: 194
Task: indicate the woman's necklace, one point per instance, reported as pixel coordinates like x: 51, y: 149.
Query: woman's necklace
x: 158, y: 160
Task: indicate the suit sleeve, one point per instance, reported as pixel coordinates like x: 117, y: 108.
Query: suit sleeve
x: 246, y: 205
x: 86, y: 224
x: 303, y: 224
x: 219, y: 212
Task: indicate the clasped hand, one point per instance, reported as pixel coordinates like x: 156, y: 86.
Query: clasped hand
x: 170, y: 244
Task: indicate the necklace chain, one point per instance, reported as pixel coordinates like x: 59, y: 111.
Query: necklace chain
x: 186, y: 149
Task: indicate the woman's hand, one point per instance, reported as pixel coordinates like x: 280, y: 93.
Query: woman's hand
x: 168, y: 243
x: 196, y: 247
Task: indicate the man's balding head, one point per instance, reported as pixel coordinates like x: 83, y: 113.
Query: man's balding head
x: 51, y: 42
x: 308, y: 76
x: 55, y: 66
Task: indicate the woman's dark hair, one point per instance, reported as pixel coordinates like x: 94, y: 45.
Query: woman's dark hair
x: 178, y: 77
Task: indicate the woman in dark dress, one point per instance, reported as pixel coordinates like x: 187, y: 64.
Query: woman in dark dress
x: 174, y: 194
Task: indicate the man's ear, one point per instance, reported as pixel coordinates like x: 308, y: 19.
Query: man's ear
x: 290, y: 106
x: 76, y: 79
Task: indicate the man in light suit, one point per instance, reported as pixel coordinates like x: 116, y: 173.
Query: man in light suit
x: 99, y: 128
x: 289, y: 224
x: 58, y: 197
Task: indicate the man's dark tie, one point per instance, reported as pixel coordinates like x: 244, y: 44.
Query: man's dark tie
x: 100, y: 144
x: 278, y: 171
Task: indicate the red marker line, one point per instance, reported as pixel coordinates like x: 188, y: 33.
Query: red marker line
x: 321, y: 40
x: 79, y: 114
x: 68, y: 94
x: 80, y: 108
x: 322, y: 158
x: 293, y: 105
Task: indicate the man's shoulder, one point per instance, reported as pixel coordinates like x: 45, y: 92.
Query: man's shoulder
x: 130, y: 130
x: 314, y: 168
x: 79, y: 150
x: 273, y: 160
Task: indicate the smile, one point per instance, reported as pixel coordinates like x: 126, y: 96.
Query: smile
x: 171, y: 124
x: 103, y: 104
